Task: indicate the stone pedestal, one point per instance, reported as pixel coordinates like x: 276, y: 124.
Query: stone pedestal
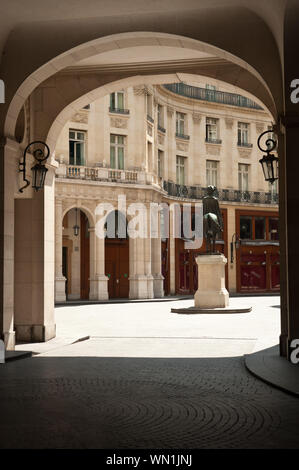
x: 99, y: 288
x: 60, y: 295
x: 211, y: 282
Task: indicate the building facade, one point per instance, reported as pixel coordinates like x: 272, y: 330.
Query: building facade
x: 162, y: 145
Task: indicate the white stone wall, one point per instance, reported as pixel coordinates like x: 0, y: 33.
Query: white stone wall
x: 142, y: 142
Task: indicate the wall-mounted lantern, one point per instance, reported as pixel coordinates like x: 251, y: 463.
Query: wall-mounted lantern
x: 269, y: 161
x: 76, y: 227
x: 39, y: 170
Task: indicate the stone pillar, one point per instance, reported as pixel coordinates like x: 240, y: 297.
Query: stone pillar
x: 35, y: 263
x: 141, y: 279
x: 211, y: 279
x: 288, y: 186
x: 60, y: 295
x: 9, y: 160
x: 157, y: 262
x: 92, y: 265
x: 99, y: 283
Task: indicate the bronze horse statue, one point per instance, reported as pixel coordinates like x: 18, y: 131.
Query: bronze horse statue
x: 212, y: 219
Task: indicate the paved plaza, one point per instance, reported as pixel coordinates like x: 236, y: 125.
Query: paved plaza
x: 148, y: 378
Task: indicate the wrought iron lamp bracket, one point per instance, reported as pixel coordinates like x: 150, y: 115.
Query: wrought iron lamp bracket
x: 39, y: 155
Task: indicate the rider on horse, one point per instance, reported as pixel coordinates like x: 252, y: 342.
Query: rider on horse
x: 212, y: 218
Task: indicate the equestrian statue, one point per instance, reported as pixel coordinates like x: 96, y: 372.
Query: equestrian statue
x: 212, y: 219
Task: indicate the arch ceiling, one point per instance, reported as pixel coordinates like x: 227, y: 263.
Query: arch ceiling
x: 192, y: 31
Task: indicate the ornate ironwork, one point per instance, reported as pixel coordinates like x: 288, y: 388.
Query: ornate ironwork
x: 227, y: 195
x: 269, y: 161
x: 38, y: 154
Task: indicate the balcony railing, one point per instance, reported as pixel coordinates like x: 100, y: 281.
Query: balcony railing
x: 182, y: 136
x: 244, y: 144
x: 161, y: 129
x: 103, y: 174
x: 149, y: 118
x: 209, y: 140
x: 214, y: 96
x: 119, y: 110
x: 227, y: 195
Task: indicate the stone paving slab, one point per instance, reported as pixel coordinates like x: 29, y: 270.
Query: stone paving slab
x: 273, y: 369
x: 142, y: 403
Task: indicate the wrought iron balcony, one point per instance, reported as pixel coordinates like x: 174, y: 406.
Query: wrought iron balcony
x: 244, y: 144
x: 161, y: 129
x: 225, y: 195
x: 119, y: 110
x: 182, y: 136
x: 215, y: 96
x: 209, y: 140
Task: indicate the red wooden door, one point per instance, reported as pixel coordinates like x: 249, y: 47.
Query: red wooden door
x: 117, y: 268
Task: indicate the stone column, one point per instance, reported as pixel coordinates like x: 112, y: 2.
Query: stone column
x: 99, y: 284
x: 141, y: 279
x: 288, y: 187
x: 92, y: 265
x: 157, y: 261
x: 60, y: 295
x: 9, y: 161
x: 35, y: 263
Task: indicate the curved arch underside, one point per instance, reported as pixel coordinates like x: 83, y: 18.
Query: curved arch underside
x: 238, y: 38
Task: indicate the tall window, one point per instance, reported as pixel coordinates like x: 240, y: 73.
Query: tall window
x: 117, y: 100
x: 180, y: 123
x: 149, y: 105
x: 117, y: 151
x: 160, y: 115
x: 160, y: 163
x: 76, y: 147
x: 212, y: 125
x: 243, y: 133
x: 243, y: 171
x: 212, y: 173
x: 180, y: 170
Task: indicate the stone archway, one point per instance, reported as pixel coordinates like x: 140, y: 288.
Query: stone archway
x: 245, y: 72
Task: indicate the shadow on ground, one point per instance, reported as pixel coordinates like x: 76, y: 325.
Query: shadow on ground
x: 94, y: 402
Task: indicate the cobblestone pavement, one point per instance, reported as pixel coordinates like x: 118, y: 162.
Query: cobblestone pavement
x: 148, y: 379
x: 93, y: 402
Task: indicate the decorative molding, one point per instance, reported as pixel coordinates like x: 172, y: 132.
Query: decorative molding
x: 244, y: 153
x: 170, y: 110
x: 160, y: 139
x: 259, y: 127
x: 81, y: 117
x: 149, y: 130
x: 196, y: 118
x: 182, y: 146
x: 140, y: 90
x: 213, y: 150
x: 229, y: 122
x: 119, y: 123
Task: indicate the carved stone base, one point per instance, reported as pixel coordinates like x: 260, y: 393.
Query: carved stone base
x: 211, y: 291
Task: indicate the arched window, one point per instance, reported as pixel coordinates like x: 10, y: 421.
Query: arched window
x: 116, y: 225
